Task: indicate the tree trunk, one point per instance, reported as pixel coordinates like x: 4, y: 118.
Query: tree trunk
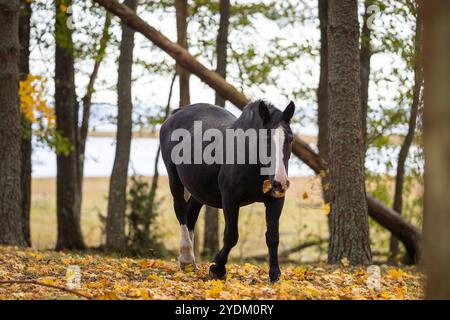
x: 68, y: 197
x: 115, y: 221
x: 211, y: 232
x: 365, y: 55
x: 181, y: 9
x: 155, y: 178
x: 322, y: 92
x: 322, y: 98
x: 387, y: 217
x: 84, y: 129
x: 211, y: 236
x: 24, y: 66
x: 404, y: 149
x: 349, y: 232
x: 11, y: 231
x: 437, y: 148
x: 222, y: 45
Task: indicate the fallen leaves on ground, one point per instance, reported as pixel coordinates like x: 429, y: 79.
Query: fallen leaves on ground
x: 104, y: 277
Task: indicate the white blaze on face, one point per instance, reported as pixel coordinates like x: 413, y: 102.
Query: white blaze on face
x: 280, y: 170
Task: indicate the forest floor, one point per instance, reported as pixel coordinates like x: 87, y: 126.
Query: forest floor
x: 32, y: 274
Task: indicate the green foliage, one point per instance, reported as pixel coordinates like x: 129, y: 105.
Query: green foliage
x: 390, y: 102
x: 259, y: 61
x: 63, y: 34
x: 389, y: 114
x: 142, y: 234
x: 382, y: 188
x: 142, y: 208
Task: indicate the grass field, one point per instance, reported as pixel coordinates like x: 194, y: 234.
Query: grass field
x: 303, y: 217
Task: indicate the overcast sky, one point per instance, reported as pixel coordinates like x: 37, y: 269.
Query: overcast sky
x: 150, y: 90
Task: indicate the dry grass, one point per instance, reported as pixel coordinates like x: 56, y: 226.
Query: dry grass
x: 303, y: 217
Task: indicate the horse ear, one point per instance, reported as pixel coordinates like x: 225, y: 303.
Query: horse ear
x: 264, y: 112
x: 289, y: 112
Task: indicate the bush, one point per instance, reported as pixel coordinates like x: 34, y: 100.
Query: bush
x: 142, y: 207
x: 143, y: 238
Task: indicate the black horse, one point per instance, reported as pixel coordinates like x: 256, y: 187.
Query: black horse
x: 227, y: 184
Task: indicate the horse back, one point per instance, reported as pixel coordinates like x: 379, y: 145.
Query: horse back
x: 201, y: 180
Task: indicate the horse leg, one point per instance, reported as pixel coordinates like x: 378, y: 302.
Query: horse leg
x: 186, y: 257
x: 273, y: 212
x: 193, y: 209
x: 230, y: 238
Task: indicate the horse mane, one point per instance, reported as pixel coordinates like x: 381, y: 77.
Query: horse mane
x: 174, y: 111
x: 250, y: 114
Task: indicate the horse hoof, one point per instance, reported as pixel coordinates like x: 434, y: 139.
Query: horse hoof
x: 275, y: 281
x: 188, y: 267
x: 274, y: 277
x: 216, y: 274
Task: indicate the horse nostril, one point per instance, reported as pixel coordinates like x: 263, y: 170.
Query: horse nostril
x: 280, y: 186
x: 276, y: 185
x: 287, y: 184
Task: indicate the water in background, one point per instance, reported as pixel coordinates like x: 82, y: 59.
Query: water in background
x: 100, y: 158
x: 100, y: 153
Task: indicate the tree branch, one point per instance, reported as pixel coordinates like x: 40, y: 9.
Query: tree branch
x: 285, y: 254
x: 37, y: 283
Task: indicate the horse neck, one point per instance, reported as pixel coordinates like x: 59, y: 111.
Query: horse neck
x: 244, y: 124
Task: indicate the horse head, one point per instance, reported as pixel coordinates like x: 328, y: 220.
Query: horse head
x: 279, y: 139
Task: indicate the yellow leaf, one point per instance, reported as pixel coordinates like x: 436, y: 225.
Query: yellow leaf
x: 310, y: 290
x: 327, y: 208
x: 217, y: 288
x: 323, y: 173
x: 345, y: 262
x: 33, y: 105
x: 154, y: 277
x: 145, y: 295
x: 110, y: 295
x: 188, y: 268
x: 385, y: 295
x: 396, y: 274
x: 51, y: 281
x: 38, y: 256
x: 144, y: 264
x: 299, y: 272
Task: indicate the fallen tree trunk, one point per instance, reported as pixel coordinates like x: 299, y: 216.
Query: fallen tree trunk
x: 285, y: 254
x: 407, y: 233
x: 410, y: 236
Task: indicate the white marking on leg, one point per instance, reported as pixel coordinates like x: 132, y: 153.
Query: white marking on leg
x: 186, y: 247
x: 280, y: 170
x: 187, y: 195
x: 191, y: 236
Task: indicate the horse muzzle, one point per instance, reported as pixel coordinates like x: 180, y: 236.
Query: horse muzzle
x: 276, y: 189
